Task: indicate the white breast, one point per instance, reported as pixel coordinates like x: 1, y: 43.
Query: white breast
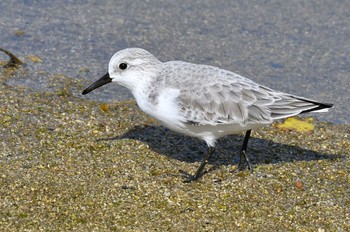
x: 164, y: 108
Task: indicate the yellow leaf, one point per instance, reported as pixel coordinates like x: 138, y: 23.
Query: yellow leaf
x: 297, y: 124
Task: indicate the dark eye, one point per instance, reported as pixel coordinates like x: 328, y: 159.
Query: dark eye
x: 123, y: 66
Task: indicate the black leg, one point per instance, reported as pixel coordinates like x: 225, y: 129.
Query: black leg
x: 244, y: 156
x: 199, y: 172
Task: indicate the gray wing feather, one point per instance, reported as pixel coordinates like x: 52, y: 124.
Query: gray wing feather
x: 210, y: 96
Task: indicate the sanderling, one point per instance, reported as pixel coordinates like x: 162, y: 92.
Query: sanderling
x: 201, y: 101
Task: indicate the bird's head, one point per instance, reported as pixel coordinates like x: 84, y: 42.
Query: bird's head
x: 130, y: 68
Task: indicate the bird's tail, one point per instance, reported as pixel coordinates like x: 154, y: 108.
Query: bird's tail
x: 291, y: 105
x: 318, y: 107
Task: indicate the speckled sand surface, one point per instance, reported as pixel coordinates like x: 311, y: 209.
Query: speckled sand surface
x: 72, y: 164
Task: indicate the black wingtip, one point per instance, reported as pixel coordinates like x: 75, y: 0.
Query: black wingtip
x: 318, y: 105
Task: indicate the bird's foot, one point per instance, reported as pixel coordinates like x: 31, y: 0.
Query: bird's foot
x: 189, y: 177
x: 243, y: 166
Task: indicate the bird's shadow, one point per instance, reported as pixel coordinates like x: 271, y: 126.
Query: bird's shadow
x: 187, y: 149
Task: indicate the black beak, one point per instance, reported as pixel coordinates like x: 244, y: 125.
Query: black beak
x: 102, y: 81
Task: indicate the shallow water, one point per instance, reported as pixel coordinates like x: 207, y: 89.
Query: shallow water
x: 297, y: 47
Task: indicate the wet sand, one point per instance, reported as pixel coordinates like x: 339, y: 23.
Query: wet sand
x: 68, y: 163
